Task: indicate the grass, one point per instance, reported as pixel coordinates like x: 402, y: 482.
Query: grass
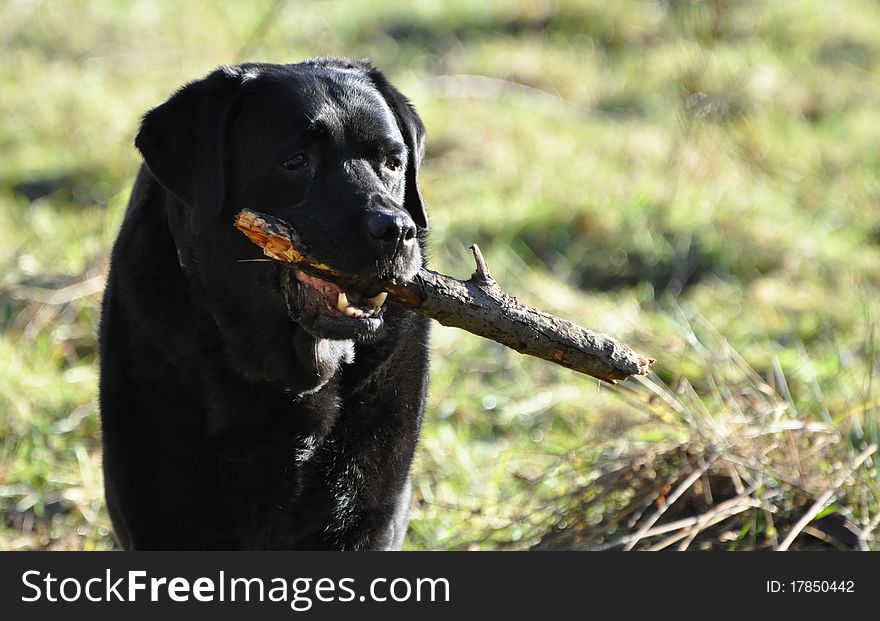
x: 695, y: 178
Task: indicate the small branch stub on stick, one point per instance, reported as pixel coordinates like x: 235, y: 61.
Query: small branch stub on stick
x: 482, y: 271
x: 477, y: 305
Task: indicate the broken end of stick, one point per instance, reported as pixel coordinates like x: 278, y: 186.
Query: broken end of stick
x: 608, y: 360
x: 641, y: 365
x: 278, y: 241
x: 644, y: 364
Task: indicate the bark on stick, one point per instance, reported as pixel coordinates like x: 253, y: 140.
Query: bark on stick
x: 477, y: 305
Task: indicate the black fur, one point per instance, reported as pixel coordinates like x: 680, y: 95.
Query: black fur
x: 231, y: 420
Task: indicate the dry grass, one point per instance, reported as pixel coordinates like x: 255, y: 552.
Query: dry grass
x: 753, y: 473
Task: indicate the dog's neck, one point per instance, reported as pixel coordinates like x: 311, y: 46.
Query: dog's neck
x: 322, y: 357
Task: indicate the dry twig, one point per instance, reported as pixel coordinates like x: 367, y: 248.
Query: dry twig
x: 477, y: 305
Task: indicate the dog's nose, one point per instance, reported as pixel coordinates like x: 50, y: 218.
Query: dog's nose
x: 389, y: 230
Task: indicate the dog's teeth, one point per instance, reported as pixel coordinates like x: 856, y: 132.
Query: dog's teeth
x: 377, y: 301
x: 342, y: 303
x: 351, y: 311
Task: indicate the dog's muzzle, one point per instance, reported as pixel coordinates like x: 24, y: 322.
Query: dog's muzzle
x: 327, y: 310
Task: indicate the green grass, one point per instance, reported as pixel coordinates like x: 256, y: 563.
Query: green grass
x: 694, y: 178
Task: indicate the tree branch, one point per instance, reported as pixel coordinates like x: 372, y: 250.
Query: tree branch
x: 477, y: 305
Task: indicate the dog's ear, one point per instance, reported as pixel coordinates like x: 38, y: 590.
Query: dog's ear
x: 413, y: 131
x: 183, y: 142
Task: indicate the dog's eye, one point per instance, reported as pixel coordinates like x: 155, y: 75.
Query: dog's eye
x: 393, y: 163
x: 296, y: 162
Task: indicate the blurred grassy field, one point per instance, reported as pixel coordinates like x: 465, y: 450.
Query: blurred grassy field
x: 698, y: 179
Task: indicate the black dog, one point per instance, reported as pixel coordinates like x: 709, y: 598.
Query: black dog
x: 246, y: 405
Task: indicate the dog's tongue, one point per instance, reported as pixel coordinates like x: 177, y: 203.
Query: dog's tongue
x: 346, y: 302
x: 324, y: 286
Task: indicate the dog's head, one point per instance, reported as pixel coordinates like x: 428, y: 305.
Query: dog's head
x: 327, y: 145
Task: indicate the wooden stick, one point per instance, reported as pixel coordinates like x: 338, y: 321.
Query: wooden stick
x: 477, y: 305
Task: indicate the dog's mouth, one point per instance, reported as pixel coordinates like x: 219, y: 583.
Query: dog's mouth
x: 329, y: 311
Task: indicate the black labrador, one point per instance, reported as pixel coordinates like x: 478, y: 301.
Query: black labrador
x: 244, y: 404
